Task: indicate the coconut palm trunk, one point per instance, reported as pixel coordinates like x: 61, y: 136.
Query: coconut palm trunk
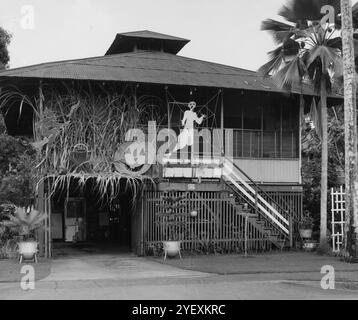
x: 324, y: 168
x: 350, y: 125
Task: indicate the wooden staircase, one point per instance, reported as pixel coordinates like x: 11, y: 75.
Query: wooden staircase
x: 264, y: 213
x: 254, y: 219
x: 268, y: 220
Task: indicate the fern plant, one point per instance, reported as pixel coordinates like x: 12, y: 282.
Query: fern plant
x: 172, y: 217
x: 22, y: 221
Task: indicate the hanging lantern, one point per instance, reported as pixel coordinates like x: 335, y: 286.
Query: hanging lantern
x: 194, y: 213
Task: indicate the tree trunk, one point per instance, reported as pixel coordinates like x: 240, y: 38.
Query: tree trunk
x: 350, y: 127
x: 301, y: 125
x: 324, y: 169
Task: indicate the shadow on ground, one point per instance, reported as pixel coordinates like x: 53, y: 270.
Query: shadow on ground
x: 293, y: 262
x: 70, y: 250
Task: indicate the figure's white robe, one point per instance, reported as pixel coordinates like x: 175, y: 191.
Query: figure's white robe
x: 186, y: 137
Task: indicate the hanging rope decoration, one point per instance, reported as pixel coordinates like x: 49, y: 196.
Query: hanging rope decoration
x: 202, y: 109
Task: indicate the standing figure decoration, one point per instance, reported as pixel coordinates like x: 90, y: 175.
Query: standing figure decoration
x: 186, y: 137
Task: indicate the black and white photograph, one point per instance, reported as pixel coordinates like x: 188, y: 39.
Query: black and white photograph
x: 178, y: 155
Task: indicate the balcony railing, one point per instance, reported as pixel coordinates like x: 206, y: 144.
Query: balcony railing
x: 245, y: 143
x: 265, y: 144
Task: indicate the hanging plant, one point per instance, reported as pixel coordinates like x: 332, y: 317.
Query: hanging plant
x: 79, y: 132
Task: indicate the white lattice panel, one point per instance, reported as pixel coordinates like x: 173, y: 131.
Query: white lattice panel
x: 338, y: 218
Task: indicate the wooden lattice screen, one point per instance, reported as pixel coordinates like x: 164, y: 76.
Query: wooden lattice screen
x: 217, y: 227
x: 338, y: 218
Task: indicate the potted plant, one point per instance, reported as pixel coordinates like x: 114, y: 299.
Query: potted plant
x: 24, y: 221
x: 172, y: 220
x: 306, y: 226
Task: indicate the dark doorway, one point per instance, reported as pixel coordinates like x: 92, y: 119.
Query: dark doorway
x: 120, y: 220
x: 105, y: 223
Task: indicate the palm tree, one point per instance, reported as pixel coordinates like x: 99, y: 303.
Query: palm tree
x: 310, y: 52
x: 350, y: 115
x: 23, y: 221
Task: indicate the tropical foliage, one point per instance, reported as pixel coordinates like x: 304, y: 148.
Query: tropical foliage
x: 307, y: 53
x: 307, y: 221
x: 311, y: 162
x: 170, y: 217
x: 22, y: 221
x: 16, y: 166
x: 81, y: 136
x: 5, y: 38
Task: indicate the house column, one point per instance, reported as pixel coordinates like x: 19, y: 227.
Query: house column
x: 222, y: 124
x: 300, y: 137
x: 168, y: 106
x: 40, y: 207
x: 40, y: 201
x: 41, y: 106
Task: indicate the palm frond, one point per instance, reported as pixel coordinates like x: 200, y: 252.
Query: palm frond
x: 23, y: 221
x: 330, y: 58
x: 280, y: 31
x: 290, y: 74
x: 302, y: 11
x: 276, y: 59
x: 335, y: 43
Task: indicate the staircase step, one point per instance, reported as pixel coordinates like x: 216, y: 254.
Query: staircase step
x: 231, y: 201
x: 247, y: 214
x: 281, y: 243
x: 259, y: 218
x: 274, y: 234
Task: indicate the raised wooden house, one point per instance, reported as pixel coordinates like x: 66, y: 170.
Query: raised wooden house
x: 245, y: 158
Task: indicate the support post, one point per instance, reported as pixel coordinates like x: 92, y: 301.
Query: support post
x: 350, y: 126
x: 45, y: 211
x: 40, y: 208
x: 281, y: 131
x: 49, y: 212
x: 302, y: 104
x: 41, y: 98
x: 246, y: 225
x: 222, y: 125
x: 256, y: 204
x: 168, y: 106
x: 142, y: 246
x: 291, y: 230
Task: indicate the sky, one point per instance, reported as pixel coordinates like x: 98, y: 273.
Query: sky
x: 222, y: 31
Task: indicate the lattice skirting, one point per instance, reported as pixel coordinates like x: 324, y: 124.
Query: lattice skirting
x: 217, y: 227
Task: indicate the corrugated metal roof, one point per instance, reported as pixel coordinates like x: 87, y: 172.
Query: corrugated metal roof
x: 150, y: 67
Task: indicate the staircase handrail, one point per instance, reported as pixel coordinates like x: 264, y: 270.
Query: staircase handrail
x: 288, y: 212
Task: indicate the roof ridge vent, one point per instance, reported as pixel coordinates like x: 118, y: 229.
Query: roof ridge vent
x: 146, y: 40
